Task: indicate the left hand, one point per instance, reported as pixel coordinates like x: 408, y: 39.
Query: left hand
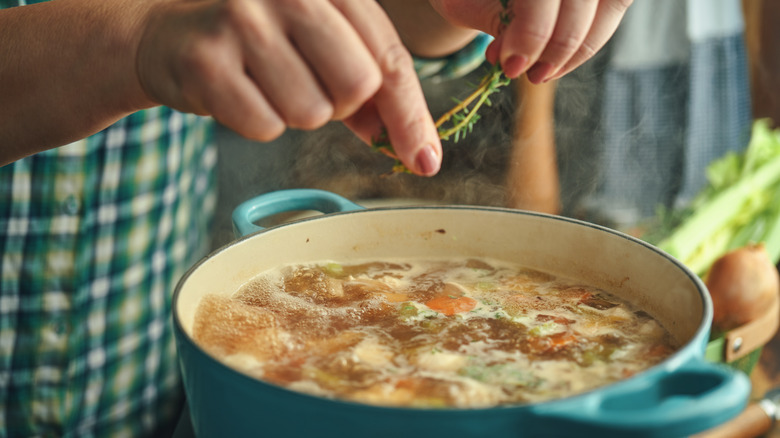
x: 261, y: 66
x: 545, y: 38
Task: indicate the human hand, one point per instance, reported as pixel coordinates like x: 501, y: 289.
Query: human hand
x: 545, y: 38
x: 261, y: 66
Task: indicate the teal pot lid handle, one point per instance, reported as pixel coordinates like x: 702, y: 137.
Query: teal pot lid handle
x: 282, y: 201
x: 677, y: 403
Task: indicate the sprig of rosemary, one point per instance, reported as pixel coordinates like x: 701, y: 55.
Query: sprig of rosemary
x: 460, y: 120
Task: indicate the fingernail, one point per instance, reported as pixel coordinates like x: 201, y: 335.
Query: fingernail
x: 557, y: 74
x: 492, y: 52
x: 427, y: 161
x: 540, y: 72
x: 514, y: 65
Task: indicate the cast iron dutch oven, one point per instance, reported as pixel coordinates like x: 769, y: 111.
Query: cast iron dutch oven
x: 682, y: 395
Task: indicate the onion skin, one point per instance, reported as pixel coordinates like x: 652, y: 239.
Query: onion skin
x: 743, y: 283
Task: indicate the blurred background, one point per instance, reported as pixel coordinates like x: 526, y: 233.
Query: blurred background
x: 633, y: 129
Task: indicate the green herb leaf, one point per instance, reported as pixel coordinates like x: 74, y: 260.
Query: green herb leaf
x: 458, y: 121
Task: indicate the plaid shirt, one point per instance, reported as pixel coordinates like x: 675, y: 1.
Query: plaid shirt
x: 93, y: 238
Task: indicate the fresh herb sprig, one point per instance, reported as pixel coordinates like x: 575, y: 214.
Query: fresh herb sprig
x: 464, y: 116
x: 460, y: 120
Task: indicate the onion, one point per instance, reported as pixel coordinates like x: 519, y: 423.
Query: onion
x: 743, y: 283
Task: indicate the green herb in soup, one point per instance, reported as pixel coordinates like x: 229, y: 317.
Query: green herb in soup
x: 448, y: 333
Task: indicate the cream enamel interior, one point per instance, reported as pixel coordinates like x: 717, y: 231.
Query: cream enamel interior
x: 608, y: 260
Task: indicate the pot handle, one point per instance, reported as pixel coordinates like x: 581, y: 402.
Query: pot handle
x: 680, y: 402
x: 281, y: 201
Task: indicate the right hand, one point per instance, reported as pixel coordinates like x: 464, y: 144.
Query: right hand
x: 545, y: 38
x: 261, y: 66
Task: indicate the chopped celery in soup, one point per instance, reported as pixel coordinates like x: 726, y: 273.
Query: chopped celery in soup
x: 447, y: 333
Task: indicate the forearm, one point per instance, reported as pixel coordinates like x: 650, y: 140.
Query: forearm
x: 424, y: 32
x: 67, y: 71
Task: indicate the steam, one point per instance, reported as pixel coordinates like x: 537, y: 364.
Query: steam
x: 473, y: 169
x: 578, y: 98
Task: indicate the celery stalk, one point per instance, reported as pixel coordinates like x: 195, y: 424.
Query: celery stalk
x: 719, y: 211
x: 772, y: 236
x: 738, y: 205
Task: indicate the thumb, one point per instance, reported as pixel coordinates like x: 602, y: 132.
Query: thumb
x: 422, y: 158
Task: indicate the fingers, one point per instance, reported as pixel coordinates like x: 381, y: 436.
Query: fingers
x: 259, y: 66
x: 296, y: 94
x: 549, y: 38
x: 608, y: 16
x: 356, y: 55
x: 525, y: 37
x: 180, y: 68
x: 238, y: 104
x: 342, y: 54
x: 337, y: 54
x: 308, y: 60
x: 365, y: 122
x: 574, y: 22
x: 399, y: 105
x: 493, y: 50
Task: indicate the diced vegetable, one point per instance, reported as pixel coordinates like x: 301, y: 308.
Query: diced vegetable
x: 552, y: 343
x: 408, y: 310
x: 545, y: 329
x: 334, y: 269
x: 503, y: 373
x: 450, y: 305
x: 599, y: 352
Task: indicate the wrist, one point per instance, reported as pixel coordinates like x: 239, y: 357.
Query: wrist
x: 130, y: 25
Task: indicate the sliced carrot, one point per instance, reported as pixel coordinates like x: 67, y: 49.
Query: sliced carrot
x: 450, y: 305
x: 561, y: 340
x: 552, y: 343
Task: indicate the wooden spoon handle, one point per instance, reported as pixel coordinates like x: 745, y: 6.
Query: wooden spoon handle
x: 751, y: 423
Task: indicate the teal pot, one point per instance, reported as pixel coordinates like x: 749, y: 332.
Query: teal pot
x: 682, y: 395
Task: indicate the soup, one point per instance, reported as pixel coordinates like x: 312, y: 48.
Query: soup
x: 444, y: 333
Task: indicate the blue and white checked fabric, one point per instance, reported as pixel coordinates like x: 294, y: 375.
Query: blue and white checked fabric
x: 93, y: 238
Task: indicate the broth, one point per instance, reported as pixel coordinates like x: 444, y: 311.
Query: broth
x: 445, y: 333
